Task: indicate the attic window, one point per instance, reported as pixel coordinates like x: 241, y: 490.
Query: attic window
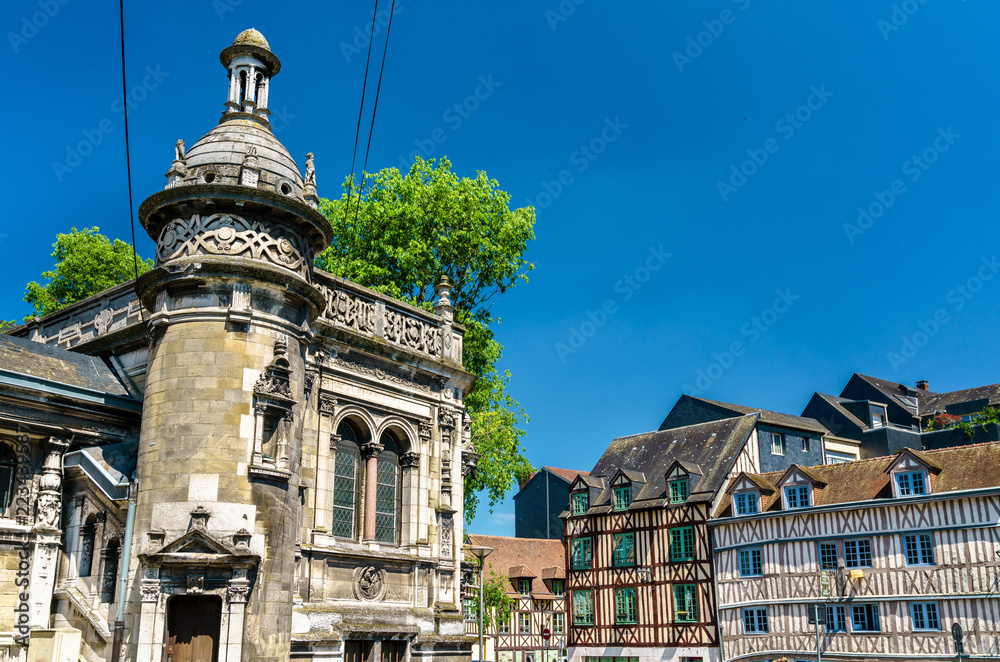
x: 797, y: 496
x: 623, y: 497
x: 678, y: 490
x: 524, y: 587
x: 745, y: 503
x: 910, y: 483
x: 581, y: 503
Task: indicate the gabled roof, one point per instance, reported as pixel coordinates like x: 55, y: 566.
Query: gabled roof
x: 962, y: 468
x: 757, y: 479
x: 941, y: 401
x: 811, y: 474
x: 715, y: 410
x: 527, y: 558
x: 894, y: 393
x: 688, y: 467
x: 920, y: 456
x: 588, y: 480
x: 834, y: 402
x: 714, y: 445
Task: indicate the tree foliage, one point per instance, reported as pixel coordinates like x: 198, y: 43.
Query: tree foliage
x: 497, y: 602
x: 7, y: 325
x: 87, y: 262
x: 399, y: 236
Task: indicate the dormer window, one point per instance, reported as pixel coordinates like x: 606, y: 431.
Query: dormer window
x: 797, y: 496
x: 623, y: 497
x: 524, y: 587
x: 910, y: 483
x: 678, y: 490
x: 581, y: 503
x: 745, y: 503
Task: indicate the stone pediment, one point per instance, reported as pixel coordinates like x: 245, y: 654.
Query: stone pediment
x: 197, y: 545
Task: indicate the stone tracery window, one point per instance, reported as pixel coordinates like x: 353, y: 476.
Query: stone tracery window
x: 387, y: 489
x: 345, y: 481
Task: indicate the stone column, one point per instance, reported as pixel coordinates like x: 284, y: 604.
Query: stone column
x: 47, y: 534
x: 73, y: 540
x: 370, y: 452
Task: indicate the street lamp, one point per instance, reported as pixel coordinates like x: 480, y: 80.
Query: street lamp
x: 481, y: 553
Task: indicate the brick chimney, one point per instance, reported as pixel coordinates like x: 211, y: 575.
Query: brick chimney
x: 922, y: 385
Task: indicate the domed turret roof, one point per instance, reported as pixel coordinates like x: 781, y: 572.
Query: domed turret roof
x: 251, y: 37
x: 224, y: 149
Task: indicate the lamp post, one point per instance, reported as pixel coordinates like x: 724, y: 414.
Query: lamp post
x: 481, y: 553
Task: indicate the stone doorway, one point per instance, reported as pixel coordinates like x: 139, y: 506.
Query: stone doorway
x: 193, y: 628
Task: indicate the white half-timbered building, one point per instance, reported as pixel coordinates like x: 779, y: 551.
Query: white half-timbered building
x: 896, y: 550
x: 534, y: 573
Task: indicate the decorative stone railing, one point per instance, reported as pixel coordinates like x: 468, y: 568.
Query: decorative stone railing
x: 101, y: 314
x: 348, y: 306
x: 367, y: 312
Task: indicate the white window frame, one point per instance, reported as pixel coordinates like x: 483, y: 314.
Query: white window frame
x: 777, y: 448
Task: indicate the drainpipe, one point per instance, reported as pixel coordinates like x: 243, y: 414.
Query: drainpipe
x: 126, y: 561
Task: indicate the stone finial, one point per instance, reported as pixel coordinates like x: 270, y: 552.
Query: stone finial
x: 199, y: 518
x: 443, y: 307
x: 179, y: 170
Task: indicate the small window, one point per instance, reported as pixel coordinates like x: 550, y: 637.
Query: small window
x: 925, y: 616
x: 625, y: 606
x: 678, y: 490
x: 919, y: 549
x: 581, y: 503
x: 559, y: 622
x: 682, y: 544
x: 864, y: 618
x: 524, y: 587
x: 558, y: 588
x: 8, y: 469
x: 624, y: 549
x: 836, y: 618
x: 833, y: 457
x: 583, y: 607
x: 524, y: 622
x: 503, y: 627
x: 858, y: 553
x: 750, y: 564
x: 777, y: 444
x: 910, y: 483
x: 685, y: 603
x: 755, y: 620
x: 805, y: 444
x: 797, y: 496
x: 746, y: 503
x: 623, y: 497
x: 469, y: 607
x: 828, y: 555
x: 583, y: 555
x: 878, y: 420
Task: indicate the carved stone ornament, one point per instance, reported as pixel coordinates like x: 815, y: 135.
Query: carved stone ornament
x: 199, y: 518
x: 371, y: 583
x: 327, y: 404
x: 47, y: 511
x: 237, y: 593
x: 196, y: 582
x: 149, y: 591
x: 354, y: 311
x: 381, y: 373
x: 409, y: 460
x: 371, y: 449
x: 446, y: 531
x: 228, y: 234
x: 424, y: 429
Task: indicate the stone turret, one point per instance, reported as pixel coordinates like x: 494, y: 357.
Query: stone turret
x: 231, y: 303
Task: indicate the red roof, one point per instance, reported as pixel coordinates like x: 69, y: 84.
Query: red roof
x: 523, y: 558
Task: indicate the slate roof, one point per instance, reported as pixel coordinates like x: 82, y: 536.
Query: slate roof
x: 962, y: 468
x: 766, y: 416
x: 940, y: 401
x: 714, y: 446
x: 893, y: 391
x: 569, y: 475
x: 57, y: 365
x: 835, y: 402
x: 536, y: 558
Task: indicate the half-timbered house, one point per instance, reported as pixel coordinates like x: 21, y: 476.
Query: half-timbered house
x: 639, y: 563
x: 894, y: 550
x: 534, y: 575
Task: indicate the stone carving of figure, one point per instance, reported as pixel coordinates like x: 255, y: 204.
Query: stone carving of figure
x: 179, y: 151
x: 310, y: 170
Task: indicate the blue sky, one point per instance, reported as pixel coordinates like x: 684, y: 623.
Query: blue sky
x: 697, y: 170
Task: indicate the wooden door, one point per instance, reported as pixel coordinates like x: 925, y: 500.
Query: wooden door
x: 193, y: 628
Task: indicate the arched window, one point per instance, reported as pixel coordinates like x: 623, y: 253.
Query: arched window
x: 387, y: 489
x: 110, y: 579
x: 345, y: 480
x: 8, y: 469
x: 243, y: 88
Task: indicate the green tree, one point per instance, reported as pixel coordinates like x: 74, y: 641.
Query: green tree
x: 7, y: 325
x: 496, y: 599
x: 86, y: 263
x: 399, y: 236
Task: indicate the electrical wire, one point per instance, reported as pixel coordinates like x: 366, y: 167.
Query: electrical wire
x: 361, y: 108
x: 128, y: 159
x: 371, y: 129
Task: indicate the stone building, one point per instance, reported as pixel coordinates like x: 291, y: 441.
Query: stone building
x: 293, y: 444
